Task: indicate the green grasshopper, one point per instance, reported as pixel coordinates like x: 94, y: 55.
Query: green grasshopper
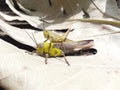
x: 54, y: 49
x: 49, y: 35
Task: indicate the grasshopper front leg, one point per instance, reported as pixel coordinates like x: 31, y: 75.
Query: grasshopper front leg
x: 46, y: 57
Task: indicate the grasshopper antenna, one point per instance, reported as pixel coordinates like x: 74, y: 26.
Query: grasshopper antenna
x: 32, y: 38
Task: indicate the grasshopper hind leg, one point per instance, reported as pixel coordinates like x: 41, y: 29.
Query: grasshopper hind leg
x: 63, y: 54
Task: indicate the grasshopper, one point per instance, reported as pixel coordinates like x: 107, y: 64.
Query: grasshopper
x: 48, y: 50
x: 53, y: 38
x: 54, y: 49
x: 49, y: 35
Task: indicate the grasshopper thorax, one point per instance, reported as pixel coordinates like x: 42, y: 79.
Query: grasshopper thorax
x: 48, y: 48
x: 46, y: 33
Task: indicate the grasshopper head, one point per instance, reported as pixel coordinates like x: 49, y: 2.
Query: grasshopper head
x: 39, y: 49
x: 46, y: 33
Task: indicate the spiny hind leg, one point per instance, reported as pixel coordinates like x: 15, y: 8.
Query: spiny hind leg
x: 63, y: 54
x: 64, y: 36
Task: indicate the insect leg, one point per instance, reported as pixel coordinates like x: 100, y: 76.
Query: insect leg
x: 46, y: 57
x: 63, y: 54
x: 66, y: 34
x: 46, y: 40
x: 63, y: 37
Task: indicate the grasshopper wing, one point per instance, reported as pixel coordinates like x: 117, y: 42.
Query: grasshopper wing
x: 70, y: 47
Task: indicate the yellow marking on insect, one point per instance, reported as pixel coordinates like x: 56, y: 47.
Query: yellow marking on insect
x: 48, y: 50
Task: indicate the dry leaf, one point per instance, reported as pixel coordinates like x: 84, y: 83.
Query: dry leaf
x: 21, y: 71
